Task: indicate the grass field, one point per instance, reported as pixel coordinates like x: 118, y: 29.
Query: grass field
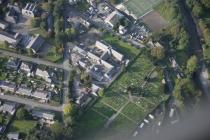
x: 121, y: 46
x: 23, y: 126
x: 140, y: 7
x: 116, y: 101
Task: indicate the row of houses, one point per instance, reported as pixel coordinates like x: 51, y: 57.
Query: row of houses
x: 100, y: 60
x: 29, y: 69
x: 35, y: 43
x: 25, y: 91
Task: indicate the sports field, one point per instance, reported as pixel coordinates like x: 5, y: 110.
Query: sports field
x: 140, y: 7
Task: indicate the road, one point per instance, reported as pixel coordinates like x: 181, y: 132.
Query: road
x: 31, y: 103
x: 66, y: 73
x: 195, y: 47
x: 34, y: 60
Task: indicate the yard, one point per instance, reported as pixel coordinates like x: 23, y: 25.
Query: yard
x: 53, y: 56
x: 23, y: 126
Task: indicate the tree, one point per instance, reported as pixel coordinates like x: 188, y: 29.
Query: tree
x: 101, y: 92
x: 158, y: 52
x: 43, y: 25
x: 197, y: 9
x: 67, y: 109
x: 192, y: 64
x: 206, y: 3
x: 6, y: 44
x: 70, y: 33
x: 85, y: 79
x: 57, y: 129
x: 22, y: 114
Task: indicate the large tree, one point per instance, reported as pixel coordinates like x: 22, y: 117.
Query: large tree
x: 158, y: 52
x: 22, y: 114
x: 192, y: 64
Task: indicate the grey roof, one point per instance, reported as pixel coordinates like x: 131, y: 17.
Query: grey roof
x: 8, y: 107
x: 10, y: 38
x: 42, y: 114
x: 13, y: 136
x: 36, y: 43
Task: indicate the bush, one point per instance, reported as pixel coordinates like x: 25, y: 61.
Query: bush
x: 22, y: 114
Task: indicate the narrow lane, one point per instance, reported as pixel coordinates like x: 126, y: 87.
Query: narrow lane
x: 31, y: 59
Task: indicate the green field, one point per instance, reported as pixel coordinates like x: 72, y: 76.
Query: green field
x: 140, y: 7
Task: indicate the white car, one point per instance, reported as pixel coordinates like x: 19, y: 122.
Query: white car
x: 142, y: 125
x: 146, y: 121
x: 151, y: 116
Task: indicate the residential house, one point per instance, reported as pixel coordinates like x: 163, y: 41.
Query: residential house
x: 84, y: 99
x: 26, y: 67
x: 113, y: 18
x: 72, y: 2
x: 109, y: 50
x: 30, y: 10
x: 8, y: 107
x: 12, y: 16
x: 43, y: 95
x: 25, y: 91
x: 43, y: 74
x: 13, y: 64
x: 8, y: 86
x: 3, y: 24
x: 46, y: 116
x: 15, y: 7
x: 36, y: 43
x: 12, y: 39
x: 92, y: 2
x: 13, y: 136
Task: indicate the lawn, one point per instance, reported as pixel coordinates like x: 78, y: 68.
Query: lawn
x: 121, y: 46
x: 40, y: 31
x: 105, y: 110
x: 53, y: 56
x: 23, y: 126
x: 120, y: 128
x: 88, y: 126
